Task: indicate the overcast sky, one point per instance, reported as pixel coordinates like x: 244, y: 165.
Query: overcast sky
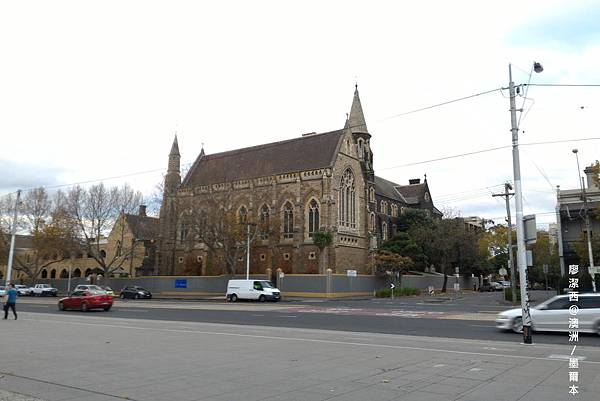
x: 91, y: 90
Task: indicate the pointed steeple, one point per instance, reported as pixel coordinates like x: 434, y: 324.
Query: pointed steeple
x: 175, y: 147
x: 356, y: 120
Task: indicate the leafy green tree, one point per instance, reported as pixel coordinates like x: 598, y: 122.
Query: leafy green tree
x: 403, y: 244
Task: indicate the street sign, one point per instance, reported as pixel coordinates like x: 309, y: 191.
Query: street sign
x: 281, y: 274
x: 545, y: 269
x: 456, y: 287
x: 392, y: 286
x: 457, y: 270
x: 181, y: 283
x: 530, y: 229
x: 529, y: 255
x: 351, y: 273
x: 594, y: 269
x: 502, y: 271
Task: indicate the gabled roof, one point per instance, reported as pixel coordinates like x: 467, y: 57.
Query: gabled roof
x: 143, y: 227
x: 387, y: 188
x: 308, y: 152
x: 413, y: 193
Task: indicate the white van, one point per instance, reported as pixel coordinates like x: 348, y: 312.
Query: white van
x: 261, y: 290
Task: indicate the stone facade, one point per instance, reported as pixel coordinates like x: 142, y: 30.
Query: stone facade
x: 326, y: 181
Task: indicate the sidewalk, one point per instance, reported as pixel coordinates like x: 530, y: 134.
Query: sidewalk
x: 93, y: 358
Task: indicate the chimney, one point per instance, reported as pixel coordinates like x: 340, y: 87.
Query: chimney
x: 142, y: 210
x: 414, y: 181
x: 589, y: 173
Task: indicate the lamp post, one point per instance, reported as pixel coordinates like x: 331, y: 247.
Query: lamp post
x: 248, y: 224
x: 521, y: 250
x: 587, y: 220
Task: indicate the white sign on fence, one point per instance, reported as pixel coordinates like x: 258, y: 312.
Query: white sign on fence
x: 351, y: 273
x: 456, y: 287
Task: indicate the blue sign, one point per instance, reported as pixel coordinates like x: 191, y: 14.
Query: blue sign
x: 181, y: 283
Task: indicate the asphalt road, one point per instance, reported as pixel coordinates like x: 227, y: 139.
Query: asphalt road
x: 469, y: 317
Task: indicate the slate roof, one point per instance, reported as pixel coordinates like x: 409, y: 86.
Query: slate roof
x: 386, y: 188
x: 143, y: 227
x: 305, y: 153
x: 412, y: 193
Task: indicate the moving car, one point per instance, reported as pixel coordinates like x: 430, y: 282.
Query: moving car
x: 2, y: 291
x: 85, y: 300
x: 135, y: 292
x: 553, y: 315
x: 261, y: 290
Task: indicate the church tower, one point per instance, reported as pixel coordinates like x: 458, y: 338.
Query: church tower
x: 168, y: 213
x: 358, y: 127
x: 173, y: 177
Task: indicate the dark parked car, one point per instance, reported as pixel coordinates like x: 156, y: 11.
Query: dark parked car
x: 85, y: 300
x: 135, y: 292
x: 488, y: 287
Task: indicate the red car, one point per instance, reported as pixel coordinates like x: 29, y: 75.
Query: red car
x: 85, y: 300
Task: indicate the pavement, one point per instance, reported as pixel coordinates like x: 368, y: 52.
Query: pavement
x: 90, y: 357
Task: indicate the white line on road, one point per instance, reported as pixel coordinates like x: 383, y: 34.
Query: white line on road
x: 288, y: 316
x: 482, y: 325
x: 310, y: 340
x: 132, y: 310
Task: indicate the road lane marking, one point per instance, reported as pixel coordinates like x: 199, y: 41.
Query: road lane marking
x: 310, y: 340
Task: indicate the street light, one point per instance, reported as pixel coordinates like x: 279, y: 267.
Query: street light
x: 586, y: 217
x: 521, y: 250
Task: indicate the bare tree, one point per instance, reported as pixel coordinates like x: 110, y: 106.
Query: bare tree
x: 216, y: 223
x: 94, y: 212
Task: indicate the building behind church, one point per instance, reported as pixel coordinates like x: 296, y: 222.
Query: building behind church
x: 317, y: 182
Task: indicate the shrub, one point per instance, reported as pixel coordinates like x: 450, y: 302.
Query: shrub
x: 398, y: 292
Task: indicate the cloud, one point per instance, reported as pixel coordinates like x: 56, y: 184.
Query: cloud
x: 21, y: 175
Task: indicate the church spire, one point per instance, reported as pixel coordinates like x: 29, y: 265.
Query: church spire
x: 175, y: 148
x: 356, y: 120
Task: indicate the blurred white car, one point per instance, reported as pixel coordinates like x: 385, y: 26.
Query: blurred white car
x: 2, y: 290
x: 22, y: 289
x: 553, y: 315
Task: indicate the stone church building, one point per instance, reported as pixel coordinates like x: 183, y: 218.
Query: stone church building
x: 315, y: 182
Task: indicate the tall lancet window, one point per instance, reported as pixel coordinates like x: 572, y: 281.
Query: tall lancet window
x: 347, y: 201
x: 288, y: 220
x: 243, y: 214
x: 264, y: 222
x: 313, y: 217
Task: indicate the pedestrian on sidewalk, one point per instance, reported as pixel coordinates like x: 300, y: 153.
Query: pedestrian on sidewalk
x: 11, y: 301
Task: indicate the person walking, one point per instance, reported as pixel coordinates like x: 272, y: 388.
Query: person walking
x: 11, y: 301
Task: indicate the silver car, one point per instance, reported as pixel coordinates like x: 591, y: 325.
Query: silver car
x: 553, y: 315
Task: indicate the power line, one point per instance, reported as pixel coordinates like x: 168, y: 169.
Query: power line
x: 566, y: 85
x: 442, y: 104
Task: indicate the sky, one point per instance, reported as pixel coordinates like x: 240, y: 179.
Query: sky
x: 90, y: 91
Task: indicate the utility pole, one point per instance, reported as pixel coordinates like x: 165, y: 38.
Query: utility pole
x: 586, y: 217
x: 513, y: 275
x: 12, y: 239
x: 561, y: 256
x: 521, y: 250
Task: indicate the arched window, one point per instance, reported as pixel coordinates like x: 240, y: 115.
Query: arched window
x: 103, y: 252
x: 77, y: 273
x: 264, y: 222
x: 383, y: 207
x: 384, y: 231
x: 182, y: 232
x: 360, y: 148
x: 44, y: 273
x: 372, y: 195
x: 347, y: 201
x: 64, y: 273
x: 288, y: 220
x: 372, y: 222
x: 243, y: 214
x: 313, y: 217
x: 119, y: 250
x: 88, y: 272
x: 53, y: 273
